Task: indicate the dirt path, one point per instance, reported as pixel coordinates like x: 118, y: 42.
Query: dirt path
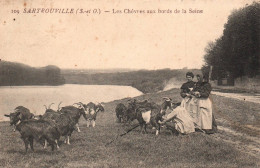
x: 241, y: 141
x: 255, y: 98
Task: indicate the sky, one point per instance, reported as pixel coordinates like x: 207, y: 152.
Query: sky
x: 112, y: 40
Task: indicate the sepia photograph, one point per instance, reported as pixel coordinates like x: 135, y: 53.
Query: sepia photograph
x: 129, y: 84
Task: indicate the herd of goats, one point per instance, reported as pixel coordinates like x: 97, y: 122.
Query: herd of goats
x: 49, y: 127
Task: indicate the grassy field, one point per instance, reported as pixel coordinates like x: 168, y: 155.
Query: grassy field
x: 88, y: 148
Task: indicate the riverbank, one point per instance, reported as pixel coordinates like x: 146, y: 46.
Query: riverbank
x: 35, y: 97
x: 147, y: 81
x: 88, y: 148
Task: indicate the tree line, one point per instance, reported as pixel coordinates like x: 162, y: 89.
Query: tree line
x: 147, y: 81
x: 236, y: 52
x: 15, y: 74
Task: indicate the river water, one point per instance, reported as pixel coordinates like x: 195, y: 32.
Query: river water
x: 35, y: 97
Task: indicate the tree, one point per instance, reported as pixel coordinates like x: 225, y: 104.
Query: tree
x: 236, y: 52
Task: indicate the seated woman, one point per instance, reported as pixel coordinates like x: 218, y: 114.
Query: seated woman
x: 183, y: 123
x: 205, y: 118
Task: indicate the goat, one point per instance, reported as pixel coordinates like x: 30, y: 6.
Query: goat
x: 74, y: 113
x: 148, y: 113
x: 120, y: 112
x: 91, y: 111
x: 39, y: 130
x: 20, y: 114
x: 63, y: 121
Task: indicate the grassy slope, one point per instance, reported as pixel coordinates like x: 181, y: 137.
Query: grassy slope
x: 88, y: 148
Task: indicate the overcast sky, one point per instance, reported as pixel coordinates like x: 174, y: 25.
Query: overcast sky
x: 139, y: 41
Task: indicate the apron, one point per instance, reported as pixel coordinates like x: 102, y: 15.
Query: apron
x: 205, y: 110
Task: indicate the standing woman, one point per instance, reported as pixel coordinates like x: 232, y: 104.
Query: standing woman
x: 205, y: 106
x: 188, y: 102
x: 195, y: 102
x: 187, y: 87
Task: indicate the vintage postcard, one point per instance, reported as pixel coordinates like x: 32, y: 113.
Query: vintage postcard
x: 120, y: 83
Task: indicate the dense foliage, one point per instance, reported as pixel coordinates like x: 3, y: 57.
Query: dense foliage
x: 236, y: 52
x: 12, y: 74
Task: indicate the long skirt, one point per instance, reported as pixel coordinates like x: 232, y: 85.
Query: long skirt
x: 183, y: 121
x: 192, y: 107
x: 205, y: 113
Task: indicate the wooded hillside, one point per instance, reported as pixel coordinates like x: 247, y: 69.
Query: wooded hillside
x: 146, y: 81
x: 13, y: 74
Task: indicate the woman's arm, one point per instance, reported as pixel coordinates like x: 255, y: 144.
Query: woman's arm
x: 183, y: 93
x: 205, y: 90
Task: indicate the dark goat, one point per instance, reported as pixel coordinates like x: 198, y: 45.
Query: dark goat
x: 91, y: 111
x: 20, y: 114
x: 148, y: 112
x: 120, y: 112
x: 38, y: 130
x: 74, y: 113
x: 63, y: 121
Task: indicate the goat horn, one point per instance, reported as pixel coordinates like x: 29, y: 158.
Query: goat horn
x: 45, y: 107
x: 59, y: 105
x: 50, y: 105
x: 79, y: 103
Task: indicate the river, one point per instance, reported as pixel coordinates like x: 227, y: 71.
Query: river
x: 35, y: 97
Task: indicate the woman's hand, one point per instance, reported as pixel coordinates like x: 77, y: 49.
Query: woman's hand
x: 188, y: 95
x: 197, y: 94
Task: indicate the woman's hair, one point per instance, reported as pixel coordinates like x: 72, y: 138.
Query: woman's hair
x: 189, y: 74
x: 205, y: 78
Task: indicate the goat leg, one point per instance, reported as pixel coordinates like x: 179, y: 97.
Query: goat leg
x: 31, y: 143
x: 77, y: 125
x: 52, y: 147
x: 158, y: 129
x: 68, y: 142
x: 26, y: 144
x: 93, y: 123
x: 141, y: 125
x: 45, y: 144
x: 57, y: 145
x: 145, y: 131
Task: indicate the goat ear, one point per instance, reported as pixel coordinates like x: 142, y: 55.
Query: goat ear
x: 7, y: 115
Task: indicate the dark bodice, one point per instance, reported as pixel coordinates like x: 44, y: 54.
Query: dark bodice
x: 186, y: 88
x: 204, y: 89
